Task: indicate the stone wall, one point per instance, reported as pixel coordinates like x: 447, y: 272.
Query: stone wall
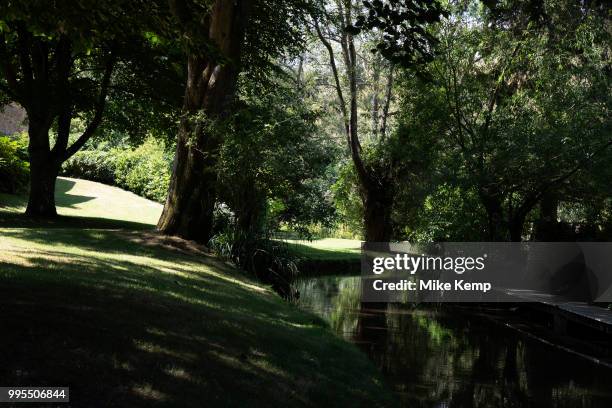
x: 12, y: 119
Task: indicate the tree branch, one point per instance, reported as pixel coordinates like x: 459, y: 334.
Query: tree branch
x: 63, y: 62
x: 23, y: 41
x: 99, y: 110
x: 533, y: 198
x: 334, y: 68
x: 385, y: 112
x: 494, y: 95
x: 353, y: 122
x: 8, y: 69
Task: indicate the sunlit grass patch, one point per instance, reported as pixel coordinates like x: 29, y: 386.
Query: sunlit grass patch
x: 326, y: 249
x: 88, y: 199
x: 119, y: 316
x: 130, y: 318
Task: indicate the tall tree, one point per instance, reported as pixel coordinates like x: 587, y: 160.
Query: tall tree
x: 222, y: 40
x: 57, y: 62
x: 336, y: 26
x: 209, y: 93
x: 527, y: 107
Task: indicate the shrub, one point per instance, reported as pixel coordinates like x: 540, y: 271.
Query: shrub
x: 95, y: 165
x: 144, y: 170
x: 14, y: 169
x: 21, y: 141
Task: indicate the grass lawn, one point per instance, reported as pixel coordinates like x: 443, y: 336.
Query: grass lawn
x: 131, y: 319
x: 92, y: 202
x: 327, y: 249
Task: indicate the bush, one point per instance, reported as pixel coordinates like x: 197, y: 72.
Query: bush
x: 14, y: 168
x: 21, y: 141
x: 144, y: 170
x: 94, y: 165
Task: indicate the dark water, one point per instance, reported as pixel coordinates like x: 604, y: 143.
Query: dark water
x: 442, y: 358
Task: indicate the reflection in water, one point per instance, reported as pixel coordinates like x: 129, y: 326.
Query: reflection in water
x: 437, y: 358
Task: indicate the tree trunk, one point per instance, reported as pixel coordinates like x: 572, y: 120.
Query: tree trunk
x: 546, y: 228
x: 41, y: 202
x: 377, y: 198
x: 515, y: 227
x: 496, y: 231
x: 250, y: 211
x: 377, y: 206
x: 210, y: 90
x: 43, y: 172
x: 191, y: 197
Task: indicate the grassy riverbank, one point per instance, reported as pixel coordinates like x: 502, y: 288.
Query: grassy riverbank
x: 327, y: 256
x: 327, y: 249
x: 129, y: 318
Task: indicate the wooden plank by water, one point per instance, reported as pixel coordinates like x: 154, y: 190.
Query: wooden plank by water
x: 580, y: 312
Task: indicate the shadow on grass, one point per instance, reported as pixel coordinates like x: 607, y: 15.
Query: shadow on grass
x: 63, y: 199
x: 152, y: 327
x: 17, y: 220
x: 113, y: 242
x: 62, y: 196
x: 13, y: 206
x: 10, y: 202
x: 12, y: 216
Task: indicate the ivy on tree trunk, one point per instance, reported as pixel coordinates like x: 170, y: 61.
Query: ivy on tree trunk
x: 209, y: 98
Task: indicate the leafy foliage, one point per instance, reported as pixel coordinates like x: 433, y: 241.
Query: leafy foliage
x: 276, y: 32
x: 347, y: 199
x: 145, y: 102
x: 144, y: 170
x: 405, y: 36
x: 521, y: 110
x: 268, y: 260
x: 273, y: 161
x: 82, y: 33
x: 94, y: 165
x: 449, y: 213
x: 14, y: 168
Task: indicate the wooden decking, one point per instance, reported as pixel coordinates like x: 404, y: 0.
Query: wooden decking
x: 593, y: 316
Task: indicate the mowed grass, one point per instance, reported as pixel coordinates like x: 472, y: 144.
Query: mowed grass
x: 91, y: 201
x: 133, y: 319
x: 327, y: 249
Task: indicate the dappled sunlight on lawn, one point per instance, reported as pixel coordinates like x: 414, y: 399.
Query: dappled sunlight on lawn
x: 158, y: 323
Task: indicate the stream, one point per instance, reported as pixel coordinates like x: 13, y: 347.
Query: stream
x: 435, y: 357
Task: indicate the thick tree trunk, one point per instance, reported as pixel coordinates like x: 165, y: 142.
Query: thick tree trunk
x: 377, y: 206
x: 43, y: 172
x: 515, y: 227
x: 41, y: 202
x: 191, y: 198
x: 547, y: 228
x: 210, y: 90
x: 250, y: 211
x: 496, y: 228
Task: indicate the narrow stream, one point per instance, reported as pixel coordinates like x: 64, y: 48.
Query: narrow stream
x: 437, y: 358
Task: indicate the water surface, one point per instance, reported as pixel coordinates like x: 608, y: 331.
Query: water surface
x: 436, y: 357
